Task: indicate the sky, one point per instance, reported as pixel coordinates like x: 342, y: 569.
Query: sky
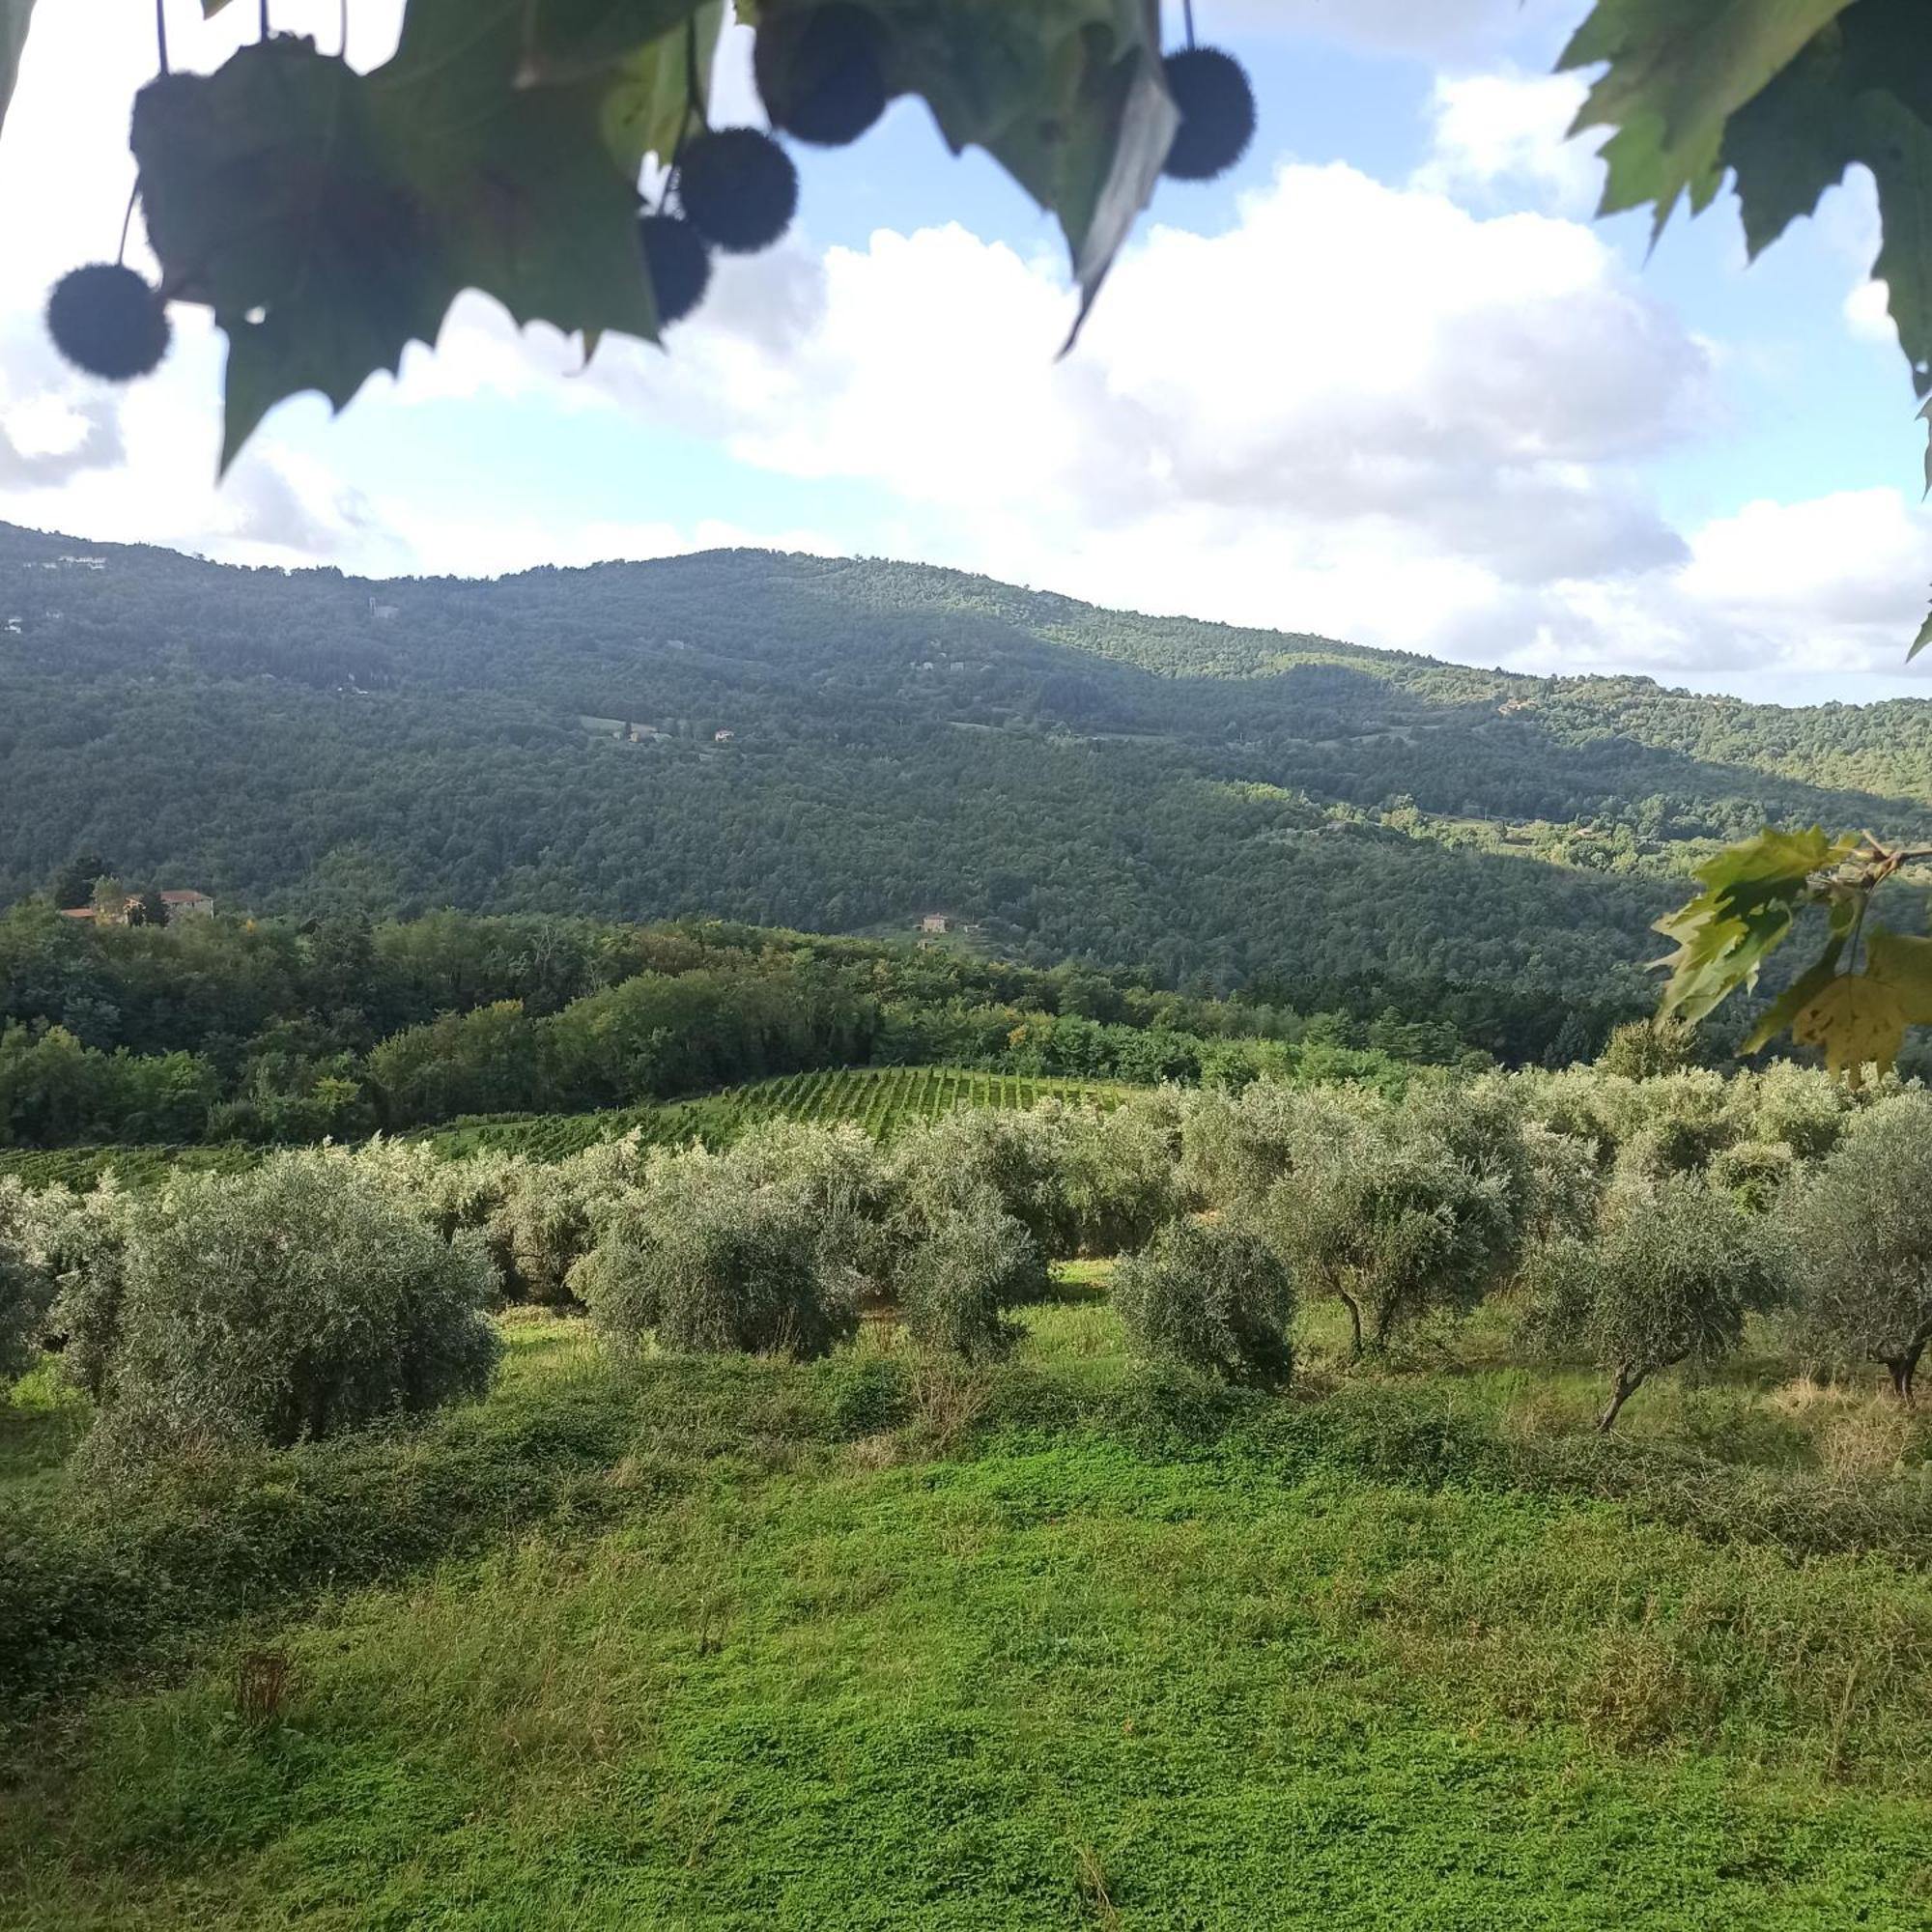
x: 1388, y: 382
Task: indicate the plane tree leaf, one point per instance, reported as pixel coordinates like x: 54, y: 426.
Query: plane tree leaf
x: 1673, y: 76
x: 330, y: 218
x: 1856, y: 1021
x: 1752, y: 891
x: 1786, y: 95
x: 1903, y: 963
x: 1795, y: 999
x: 15, y: 17
x: 652, y: 103
x: 1068, y: 94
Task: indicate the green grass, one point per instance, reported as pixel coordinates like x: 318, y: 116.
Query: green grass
x: 868, y: 1644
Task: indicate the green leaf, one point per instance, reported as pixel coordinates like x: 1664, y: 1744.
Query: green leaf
x: 1068, y: 94
x: 1790, y: 142
x: 330, y: 218
x: 1925, y: 637
x: 1793, y: 1000
x: 1752, y: 893
x: 1675, y: 73
x: 564, y: 41
x: 648, y: 108
x: 1856, y: 1021
x: 15, y: 17
x: 1896, y: 145
x: 1904, y: 964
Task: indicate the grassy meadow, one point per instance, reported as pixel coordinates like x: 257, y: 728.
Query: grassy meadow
x: 733, y: 1643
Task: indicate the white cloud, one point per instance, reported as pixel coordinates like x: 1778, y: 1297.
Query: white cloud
x: 1508, y: 134
x: 1369, y: 410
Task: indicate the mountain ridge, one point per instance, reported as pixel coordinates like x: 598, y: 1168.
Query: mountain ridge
x: 842, y: 744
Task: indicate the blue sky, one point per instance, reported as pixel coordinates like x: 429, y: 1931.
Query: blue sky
x: 1388, y: 382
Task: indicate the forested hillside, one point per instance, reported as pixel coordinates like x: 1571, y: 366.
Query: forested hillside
x: 843, y: 745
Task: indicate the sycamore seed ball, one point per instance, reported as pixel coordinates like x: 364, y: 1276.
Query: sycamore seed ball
x: 105, y: 319
x: 679, y: 263
x: 738, y: 188
x: 1217, y: 113
x: 822, y: 74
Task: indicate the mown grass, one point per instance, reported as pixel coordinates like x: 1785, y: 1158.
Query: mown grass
x: 870, y: 1644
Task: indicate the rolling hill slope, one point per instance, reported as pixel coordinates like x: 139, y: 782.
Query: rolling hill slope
x: 843, y: 746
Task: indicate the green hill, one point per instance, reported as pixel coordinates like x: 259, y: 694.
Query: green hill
x: 846, y: 746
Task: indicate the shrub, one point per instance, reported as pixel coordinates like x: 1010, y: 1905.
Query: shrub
x: 1863, y: 1221
x: 292, y: 1302
x: 984, y: 1157
x: 25, y: 1288
x: 1671, y: 1276
x: 81, y: 1242
x: 1396, y: 1210
x: 1119, y: 1175
x: 958, y: 1285
x: 839, y: 1180
x: 1215, y: 1297
x: 708, y: 1265
x: 1754, y: 1173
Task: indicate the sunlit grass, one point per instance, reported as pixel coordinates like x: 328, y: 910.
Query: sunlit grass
x: 877, y: 1646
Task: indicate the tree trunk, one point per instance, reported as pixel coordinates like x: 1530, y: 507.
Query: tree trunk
x: 1354, y: 1308
x: 1902, y: 1369
x: 1626, y: 1385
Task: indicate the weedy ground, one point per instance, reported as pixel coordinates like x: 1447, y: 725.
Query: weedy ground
x: 876, y: 1644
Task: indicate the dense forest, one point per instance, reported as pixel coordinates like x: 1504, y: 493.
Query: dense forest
x: 845, y: 746
x: 225, y: 1027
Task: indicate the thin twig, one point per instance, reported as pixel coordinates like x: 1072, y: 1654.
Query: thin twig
x: 162, y: 32
x: 127, y: 222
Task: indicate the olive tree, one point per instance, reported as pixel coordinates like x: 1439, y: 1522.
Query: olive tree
x: 1671, y: 1276
x: 1214, y: 1296
x: 960, y: 1284
x: 702, y: 1264
x: 81, y: 1243
x: 294, y: 1301
x: 1017, y: 1162
x: 839, y: 1180
x: 1862, y: 1221
x: 1402, y: 1209
x: 1119, y: 1177
x: 25, y: 1288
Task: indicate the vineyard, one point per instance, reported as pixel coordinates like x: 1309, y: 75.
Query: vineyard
x: 883, y: 1100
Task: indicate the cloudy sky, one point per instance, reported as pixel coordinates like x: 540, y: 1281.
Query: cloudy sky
x: 1389, y: 383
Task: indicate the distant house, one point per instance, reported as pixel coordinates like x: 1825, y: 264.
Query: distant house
x: 722, y: 737
x: 189, y: 904
x: 936, y: 922
x: 84, y: 562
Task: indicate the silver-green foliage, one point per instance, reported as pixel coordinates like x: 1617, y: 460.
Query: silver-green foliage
x: 703, y: 1263
x: 958, y: 1285
x: 25, y: 1288
x: 1214, y: 1296
x: 1671, y: 1275
x: 1401, y: 1208
x: 1863, y: 1222
x: 295, y: 1301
